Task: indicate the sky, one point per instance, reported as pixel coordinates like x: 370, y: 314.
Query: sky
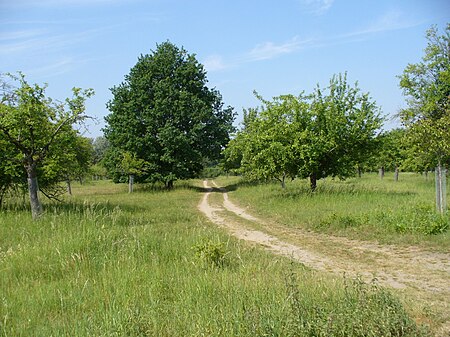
x: 273, y: 47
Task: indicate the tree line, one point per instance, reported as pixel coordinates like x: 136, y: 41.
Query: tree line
x: 166, y: 124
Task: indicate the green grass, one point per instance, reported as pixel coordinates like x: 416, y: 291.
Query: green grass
x: 368, y: 208
x: 106, y: 263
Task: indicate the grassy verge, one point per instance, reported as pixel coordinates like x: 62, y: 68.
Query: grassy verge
x: 106, y: 263
x: 368, y: 208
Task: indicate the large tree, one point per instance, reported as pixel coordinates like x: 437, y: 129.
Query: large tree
x: 164, y: 113
x: 36, y: 130
x: 427, y: 118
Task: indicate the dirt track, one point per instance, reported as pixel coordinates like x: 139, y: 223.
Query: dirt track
x: 423, y: 275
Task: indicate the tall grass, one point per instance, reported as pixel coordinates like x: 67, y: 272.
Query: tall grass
x: 365, y: 208
x: 106, y: 263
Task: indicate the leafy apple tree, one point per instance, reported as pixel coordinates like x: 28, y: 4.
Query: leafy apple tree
x: 327, y: 133
x: 37, y: 137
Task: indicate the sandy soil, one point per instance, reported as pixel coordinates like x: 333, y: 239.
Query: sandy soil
x: 423, y: 275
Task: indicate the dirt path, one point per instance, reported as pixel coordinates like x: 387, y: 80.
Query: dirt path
x: 423, y: 275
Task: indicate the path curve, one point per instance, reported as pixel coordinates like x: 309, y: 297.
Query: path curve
x: 425, y: 274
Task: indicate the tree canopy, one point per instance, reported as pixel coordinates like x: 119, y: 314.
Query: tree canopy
x: 164, y: 113
x: 426, y: 85
x: 327, y: 133
x: 37, y: 135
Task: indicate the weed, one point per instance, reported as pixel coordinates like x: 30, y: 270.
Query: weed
x: 360, y: 310
x: 212, y: 253
x: 342, y: 221
x: 420, y: 219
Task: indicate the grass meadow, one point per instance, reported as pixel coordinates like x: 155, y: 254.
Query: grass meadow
x: 109, y: 263
x: 367, y: 208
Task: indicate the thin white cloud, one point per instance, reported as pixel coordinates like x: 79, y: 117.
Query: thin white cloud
x: 317, y: 7
x: 20, y: 34
x: 215, y: 63
x: 60, y: 3
x: 389, y: 21
x: 60, y: 67
x: 270, y: 50
x: 261, y: 52
x: 41, y: 41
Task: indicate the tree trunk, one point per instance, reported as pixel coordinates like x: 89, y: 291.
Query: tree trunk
x: 381, y: 171
x: 283, y: 183
x: 170, y: 184
x: 359, y: 172
x: 69, y: 186
x: 396, y: 174
x: 313, y: 181
x: 130, y: 183
x: 2, y: 193
x: 33, y: 189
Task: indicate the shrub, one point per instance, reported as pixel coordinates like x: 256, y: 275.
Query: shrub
x: 212, y: 253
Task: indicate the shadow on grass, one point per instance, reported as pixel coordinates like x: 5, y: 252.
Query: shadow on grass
x: 302, y: 188
x: 71, y: 207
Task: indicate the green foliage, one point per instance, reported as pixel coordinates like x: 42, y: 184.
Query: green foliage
x: 212, y: 171
x: 38, y: 135
x: 342, y: 221
x: 324, y: 134
x: 11, y: 170
x: 213, y: 254
x: 98, y: 171
x: 420, y: 219
x: 392, y: 149
x: 361, y: 310
x: 75, y: 163
x: 131, y: 165
x: 417, y: 220
x: 166, y: 115
x: 427, y: 87
x: 100, y: 145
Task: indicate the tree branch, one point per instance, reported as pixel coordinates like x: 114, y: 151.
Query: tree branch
x: 15, y: 142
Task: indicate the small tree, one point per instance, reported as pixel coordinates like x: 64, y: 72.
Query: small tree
x: 392, y: 151
x: 267, y: 142
x: 32, y: 124
x: 76, y: 162
x: 100, y: 145
x: 131, y: 166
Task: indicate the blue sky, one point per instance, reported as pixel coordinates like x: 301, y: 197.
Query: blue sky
x: 274, y: 47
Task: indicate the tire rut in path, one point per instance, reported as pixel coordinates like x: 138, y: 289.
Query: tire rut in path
x: 425, y: 274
